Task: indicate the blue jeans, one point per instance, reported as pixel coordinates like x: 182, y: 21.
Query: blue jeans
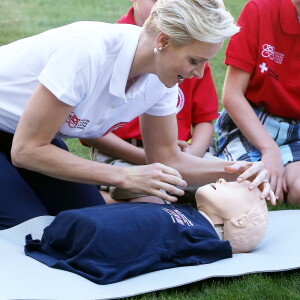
x: 26, y: 194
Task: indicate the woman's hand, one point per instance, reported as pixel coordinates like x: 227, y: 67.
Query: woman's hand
x: 154, y: 179
x: 257, y: 174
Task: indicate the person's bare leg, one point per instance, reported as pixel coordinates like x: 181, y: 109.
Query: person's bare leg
x: 293, y: 182
x: 109, y: 200
x: 151, y: 199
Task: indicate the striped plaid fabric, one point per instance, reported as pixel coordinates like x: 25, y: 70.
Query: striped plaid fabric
x: 232, y: 145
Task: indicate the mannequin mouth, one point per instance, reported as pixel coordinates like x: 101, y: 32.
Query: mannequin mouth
x: 213, y: 185
x: 180, y: 78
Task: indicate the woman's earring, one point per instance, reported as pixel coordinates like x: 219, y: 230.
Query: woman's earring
x: 156, y: 51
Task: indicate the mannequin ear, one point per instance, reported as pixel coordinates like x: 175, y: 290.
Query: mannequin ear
x: 240, y: 221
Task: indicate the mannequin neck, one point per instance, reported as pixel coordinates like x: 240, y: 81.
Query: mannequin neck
x: 216, y: 222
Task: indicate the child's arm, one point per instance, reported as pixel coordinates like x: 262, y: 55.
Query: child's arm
x: 201, y: 138
x: 246, y: 120
x: 116, y: 147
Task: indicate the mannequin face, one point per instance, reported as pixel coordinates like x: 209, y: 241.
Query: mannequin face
x: 243, y: 214
x: 226, y: 200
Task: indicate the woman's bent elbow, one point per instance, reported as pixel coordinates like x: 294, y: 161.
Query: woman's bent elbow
x: 18, y: 157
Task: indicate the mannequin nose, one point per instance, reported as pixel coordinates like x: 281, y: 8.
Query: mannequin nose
x: 221, y: 180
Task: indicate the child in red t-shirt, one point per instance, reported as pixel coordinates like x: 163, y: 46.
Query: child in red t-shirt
x: 262, y: 94
x: 196, y: 109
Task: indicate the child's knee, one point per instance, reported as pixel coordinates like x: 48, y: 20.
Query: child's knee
x: 294, y: 191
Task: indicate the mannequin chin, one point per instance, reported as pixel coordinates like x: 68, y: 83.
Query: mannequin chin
x: 238, y: 215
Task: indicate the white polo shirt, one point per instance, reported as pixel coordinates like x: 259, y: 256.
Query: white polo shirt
x: 85, y: 65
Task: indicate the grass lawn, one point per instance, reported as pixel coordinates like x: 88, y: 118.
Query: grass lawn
x: 22, y: 18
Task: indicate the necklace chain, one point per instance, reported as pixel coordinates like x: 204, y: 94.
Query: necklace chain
x: 143, y: 93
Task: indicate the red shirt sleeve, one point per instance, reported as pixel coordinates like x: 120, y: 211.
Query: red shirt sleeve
x: 128, y: 18
x: 197, y: 103
x: 241, y: 51
x: 205, y: 99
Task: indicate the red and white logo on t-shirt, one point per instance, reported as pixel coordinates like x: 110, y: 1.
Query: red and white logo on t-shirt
x: 74, y: 122
x: 115, y: 127
x: 180, y: 101
x: 268, y: 51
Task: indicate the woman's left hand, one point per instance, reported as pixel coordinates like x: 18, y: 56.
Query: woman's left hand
x: 257, y: 174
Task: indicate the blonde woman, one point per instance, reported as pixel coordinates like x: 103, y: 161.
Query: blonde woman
x: 86, y: 79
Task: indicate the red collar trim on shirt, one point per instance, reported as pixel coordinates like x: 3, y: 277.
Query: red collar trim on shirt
x: 128, y: 18
x: 289, y: 17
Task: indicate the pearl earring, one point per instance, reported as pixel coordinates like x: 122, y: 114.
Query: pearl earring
x: 156, y: 51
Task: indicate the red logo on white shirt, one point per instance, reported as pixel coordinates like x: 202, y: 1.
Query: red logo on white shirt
x: 180, y: 101
x: 74, y: 122
x: 115, y: 127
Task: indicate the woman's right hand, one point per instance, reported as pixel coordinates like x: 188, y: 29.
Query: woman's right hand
x: 155, y: 179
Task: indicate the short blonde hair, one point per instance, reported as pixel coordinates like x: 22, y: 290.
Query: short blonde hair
x: 245, y: 232
x: 187, y: 20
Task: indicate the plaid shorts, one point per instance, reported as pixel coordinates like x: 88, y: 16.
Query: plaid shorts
x: 232, y: 145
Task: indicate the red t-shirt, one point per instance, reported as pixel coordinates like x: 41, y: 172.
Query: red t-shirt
x: 268, y: 47
x: 197, y: 101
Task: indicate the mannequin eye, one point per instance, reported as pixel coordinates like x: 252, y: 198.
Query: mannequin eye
x: 213, y: 186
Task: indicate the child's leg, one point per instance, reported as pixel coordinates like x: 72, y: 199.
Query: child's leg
x: 153, y: 199
x: 290, y: 153
x: 293, y: 182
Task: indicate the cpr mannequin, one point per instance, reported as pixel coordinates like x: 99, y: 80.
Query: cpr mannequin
x: 238, y: 215
x: 109, y: 243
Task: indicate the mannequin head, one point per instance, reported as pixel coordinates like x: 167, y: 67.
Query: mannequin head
x: 242, y: 213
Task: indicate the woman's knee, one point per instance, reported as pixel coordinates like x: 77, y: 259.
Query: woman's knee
x: 18, y: 202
